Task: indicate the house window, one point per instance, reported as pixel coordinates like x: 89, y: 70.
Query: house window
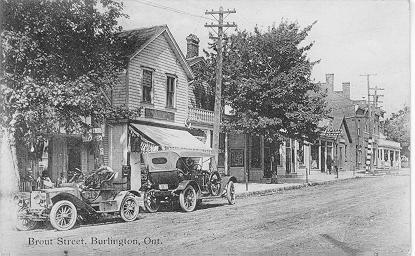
x: 345, y: 153
x: 147, y: 85
x: 315, y: 159
x: 171, y: 81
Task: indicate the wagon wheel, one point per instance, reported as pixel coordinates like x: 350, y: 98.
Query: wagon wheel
x: 230, y: 192
x: 214, y: 184
x: 63, y: 215
x: 188, y: 199
x: 129, y: 208
x: 151, y: 202
x: 25, y: 224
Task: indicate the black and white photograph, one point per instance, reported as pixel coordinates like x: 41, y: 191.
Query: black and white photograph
x: 205, y: 127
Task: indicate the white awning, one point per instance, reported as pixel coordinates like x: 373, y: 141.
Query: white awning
x: 171, y: 138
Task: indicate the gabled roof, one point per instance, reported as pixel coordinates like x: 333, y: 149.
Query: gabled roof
x: 334, y: 128
x: 136, y: 40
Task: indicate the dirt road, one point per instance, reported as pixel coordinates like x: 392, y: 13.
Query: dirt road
x: 365, y: 216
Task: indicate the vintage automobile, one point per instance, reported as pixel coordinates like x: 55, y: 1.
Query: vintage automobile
x: 96, y: 196
x: 177, y: 175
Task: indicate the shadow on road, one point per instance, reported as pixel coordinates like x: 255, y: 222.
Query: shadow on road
x: 343, y: 246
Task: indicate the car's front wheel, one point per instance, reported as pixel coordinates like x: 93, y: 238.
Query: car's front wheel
x: 129, y: 208
x: 188, y: 199
x: 63, y: 215
x: 25, y: 224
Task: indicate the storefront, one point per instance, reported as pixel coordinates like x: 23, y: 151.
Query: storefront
x: 388, y: 154
x: 258, y: 160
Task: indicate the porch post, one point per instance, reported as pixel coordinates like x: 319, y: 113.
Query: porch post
x: 226, y: 154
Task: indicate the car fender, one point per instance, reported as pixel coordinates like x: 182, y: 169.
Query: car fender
x: 183, y: 184
x: 79, y: 204
x: 121, y: 195
x: 225, y: 180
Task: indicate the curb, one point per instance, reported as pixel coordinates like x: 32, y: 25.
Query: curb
x: 297, y: 186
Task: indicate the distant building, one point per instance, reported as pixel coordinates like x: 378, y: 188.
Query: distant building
x: 388, y: 156
x: 356, y: 115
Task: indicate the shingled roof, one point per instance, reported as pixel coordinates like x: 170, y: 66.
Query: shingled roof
x: 136, y: 38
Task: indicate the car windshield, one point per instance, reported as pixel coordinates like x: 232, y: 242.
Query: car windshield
x: 189, y: 163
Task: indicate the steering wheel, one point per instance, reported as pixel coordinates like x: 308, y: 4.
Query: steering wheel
x: 197, y: 167
x: 181, y: 172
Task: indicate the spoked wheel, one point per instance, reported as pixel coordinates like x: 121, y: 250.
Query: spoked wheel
x: 129, y: 208
x: 25, y: 224
x: 214, y: 184
x: 151, y: 202
x: 188, y: 199
x: 63, y: 215
x: 230, y: 192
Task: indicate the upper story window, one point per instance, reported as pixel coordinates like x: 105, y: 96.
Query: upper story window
x: 171, y: 91
x: 147, y: 85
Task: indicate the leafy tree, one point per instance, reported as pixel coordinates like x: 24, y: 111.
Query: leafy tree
x: 397, y: 128
x: 267, y: 82
x: 60, y: 59
x: 203, y: 91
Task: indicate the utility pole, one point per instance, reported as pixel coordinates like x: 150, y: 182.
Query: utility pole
x: 218, y: 94
x: 376, y: 96
x: 369, y: 155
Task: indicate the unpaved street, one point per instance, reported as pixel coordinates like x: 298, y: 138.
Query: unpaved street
x: 365, y: 216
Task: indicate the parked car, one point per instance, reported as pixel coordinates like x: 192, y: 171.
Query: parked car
x: 62, y: 206
x: 183, y: 176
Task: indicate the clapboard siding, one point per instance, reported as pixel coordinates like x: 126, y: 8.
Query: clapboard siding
x: 119, y: 93
x: 159, y: 56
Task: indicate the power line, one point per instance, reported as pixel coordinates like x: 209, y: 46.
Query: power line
x: 167, y: 8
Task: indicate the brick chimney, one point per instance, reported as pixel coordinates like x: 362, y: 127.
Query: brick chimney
x: 346, y: 89
x: 330, y: 82
x: 192, y: 46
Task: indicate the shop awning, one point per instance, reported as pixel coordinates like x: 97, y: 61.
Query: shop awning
x: 171, y: 138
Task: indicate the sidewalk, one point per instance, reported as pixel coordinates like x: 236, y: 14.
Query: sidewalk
x: 313, y: 179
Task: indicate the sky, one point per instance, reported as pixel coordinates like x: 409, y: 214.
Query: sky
x: 351, y: 37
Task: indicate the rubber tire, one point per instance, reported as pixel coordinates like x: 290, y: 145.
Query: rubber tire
x: 230, y: 192
x: 54, y: 211
x: 146, y: 205
x: 182, y: 197
x: 218, y: 184
x: 136, y: 209
x: 30, y: 225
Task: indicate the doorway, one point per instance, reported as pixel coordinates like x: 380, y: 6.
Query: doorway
x: 288, y: 157
x: 74, y: 155
x: 323, y: 158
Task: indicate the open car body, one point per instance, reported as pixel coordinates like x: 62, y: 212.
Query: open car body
x: 63, y: 205
x: 185, y: 175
